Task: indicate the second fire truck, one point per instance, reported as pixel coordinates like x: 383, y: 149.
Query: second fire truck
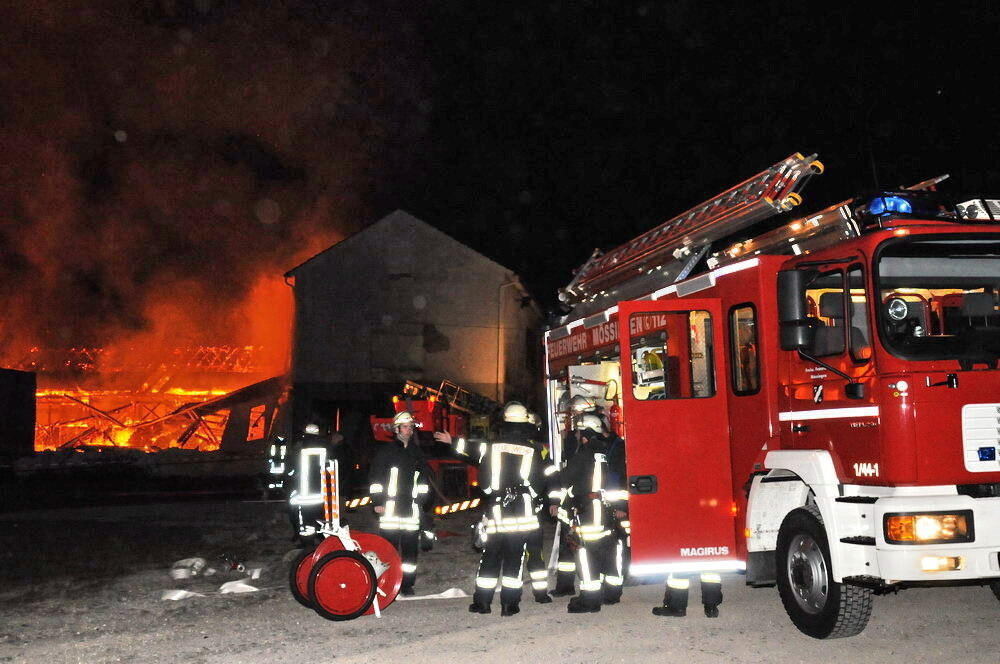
x: 818, y: 407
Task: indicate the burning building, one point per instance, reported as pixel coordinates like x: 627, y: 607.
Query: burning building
x: 148, y: 392
x: 164, y: 163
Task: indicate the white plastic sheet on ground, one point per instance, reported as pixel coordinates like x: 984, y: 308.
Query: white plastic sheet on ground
x: 240, y: 586
x: 179, y: 594
x: 451, y: 593
x: 190, y: 568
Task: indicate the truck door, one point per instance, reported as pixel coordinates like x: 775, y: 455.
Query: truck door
x: 677, y: 435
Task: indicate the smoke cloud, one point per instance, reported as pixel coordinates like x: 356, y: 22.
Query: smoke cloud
x: 165, y: 161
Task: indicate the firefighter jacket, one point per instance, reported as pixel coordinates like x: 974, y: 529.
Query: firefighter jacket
x: 590, y: 493
x: 552, y: 491
x: 276, y: 465
x: 307, y: 458
x: 616, y: 458
x: 570, y: 444
x: 514, y: 478
x: 398, y: 478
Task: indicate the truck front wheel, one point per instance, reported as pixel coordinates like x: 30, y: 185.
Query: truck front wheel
x: 817, y: 605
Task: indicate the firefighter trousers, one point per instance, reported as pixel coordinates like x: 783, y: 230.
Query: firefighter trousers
x: 536, y: 564
x: 566, y: 566
x: 407, y: 543
x: 305, y: 520
x: 503, y: 556
x: 599, y: 563
x: 676, y: 595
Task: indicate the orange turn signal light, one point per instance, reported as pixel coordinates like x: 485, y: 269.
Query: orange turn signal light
x: 929, y: 528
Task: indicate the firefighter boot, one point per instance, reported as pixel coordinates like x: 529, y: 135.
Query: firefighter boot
x: 711, y: 594
x: 509, y: 609
x: 479, y: 607
x: 581, y: 604
x: 565, y: 584
x: 542, y: 597
x: 675, y: 600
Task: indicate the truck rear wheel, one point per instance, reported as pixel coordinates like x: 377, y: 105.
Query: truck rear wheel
x: 817, y: 605
x: 995, y: 587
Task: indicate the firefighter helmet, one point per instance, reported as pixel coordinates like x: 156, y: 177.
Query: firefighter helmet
x: 581, y: 404
x: 405, y: 417
x: 589, y: 421
x: 515, y: 411
x: 311, y: 428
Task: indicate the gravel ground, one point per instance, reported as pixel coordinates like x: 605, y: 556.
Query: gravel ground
x: 85, y: 585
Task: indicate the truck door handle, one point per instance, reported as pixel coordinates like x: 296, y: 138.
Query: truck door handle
x: 800, y: 428
x: 642, y: 484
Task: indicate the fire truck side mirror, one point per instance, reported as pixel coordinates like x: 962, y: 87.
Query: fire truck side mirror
x: 797, y: 334
x: 796, y: 329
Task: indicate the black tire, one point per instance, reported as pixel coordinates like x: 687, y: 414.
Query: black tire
x: 366, y: 599
x: 817, y: 605
x: 995, y: 587
x: 293, y: 570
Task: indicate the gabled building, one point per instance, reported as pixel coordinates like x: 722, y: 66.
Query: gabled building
x: 398, y: 301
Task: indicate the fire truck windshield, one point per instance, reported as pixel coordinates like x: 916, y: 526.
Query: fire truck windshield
x: 938, y: 298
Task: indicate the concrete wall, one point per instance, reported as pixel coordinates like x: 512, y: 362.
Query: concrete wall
x: 402, y: 301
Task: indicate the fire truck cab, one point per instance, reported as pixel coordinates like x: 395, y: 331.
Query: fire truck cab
x: 828, y: 422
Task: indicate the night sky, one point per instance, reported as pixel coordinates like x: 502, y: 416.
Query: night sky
x: 155, y: 148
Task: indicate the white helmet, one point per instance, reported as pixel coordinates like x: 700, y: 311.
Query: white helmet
x: 402, y: 418
x: 581, y: 404
x: 312, y: 429
x: 589, y: 421
x: 515, y: 411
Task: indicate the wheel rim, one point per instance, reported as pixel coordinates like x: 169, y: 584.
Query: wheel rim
x: 343, y: 586
x: 807, y: 576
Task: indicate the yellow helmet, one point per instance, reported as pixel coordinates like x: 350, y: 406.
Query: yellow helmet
x: 515, y: 411
x: 589, y: 421
x: 406, y: 417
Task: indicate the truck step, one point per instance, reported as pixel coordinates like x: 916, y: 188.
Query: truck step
x: 864, y: 540
x: 877, y: 585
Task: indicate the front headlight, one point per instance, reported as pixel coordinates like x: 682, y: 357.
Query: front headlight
x: 929, y: 528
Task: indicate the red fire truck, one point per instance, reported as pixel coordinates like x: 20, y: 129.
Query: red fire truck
x: 818, y: 406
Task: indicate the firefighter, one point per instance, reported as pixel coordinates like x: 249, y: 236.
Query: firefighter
x: 276, y: 468
x: 566, y: 565
x: 399, y: 492
x: 675, y: 598
x: 590, y: 497
x: 511, y: 472
x: 307, y: 458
